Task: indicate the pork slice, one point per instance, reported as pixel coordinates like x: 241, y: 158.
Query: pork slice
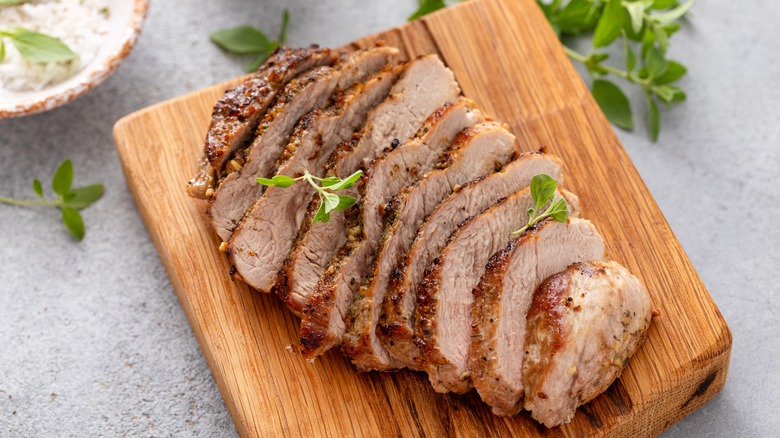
x: 426, y: 85
x: 582, y: 328
x: 391, y: 172
x: 396, y: 320
x: 238, y: 190
x: 236, y: 115
x: 262, y: 241
x: 444, y: 299
x: 502, y: 299
x: 476, y: 151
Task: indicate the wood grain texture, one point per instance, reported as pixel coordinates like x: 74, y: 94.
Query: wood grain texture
x: 507, y: 59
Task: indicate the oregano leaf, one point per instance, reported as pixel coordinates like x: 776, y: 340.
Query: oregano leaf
x: 559, y: 210
x: 674, y: 71
x: 426, y: 7
x: 542, y: 189
x: 613, y: 103
x: 282, y: 181
x: 609, y: 25
x: 83, y: 197
x: 653, y: 118
x: 38, y: 188
x: 345, y: 202
x: 321, y: 215
x: 63, y: 178
x: 242, y: 40
x: 73, y: 221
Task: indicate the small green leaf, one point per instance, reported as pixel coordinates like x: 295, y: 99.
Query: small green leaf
x: 577, y: 16
x: 63, y: 178
x: 2, y: 49
x: 656, y: 63
x: 613, y: 103
x: 636, y: 10
x: 331, y: 201
x: 662, y: 38
x: 610, y: 23
x: 329, y: 181
x: 242, y: 40
x: 542, y: 189
x: 674, y: 71
x: 674, y: 14
x: 629, y: 54
x: 38, y: 189
x: 653, y: 119
x: 72, y: 219
x: 426, y: 7
x: 282, y: 181
x: 283, y: 32
x: 345, y: 202
x: 37, y: 47
x: 347, y: 182
x: 559, y: 210
x: 648, y: 40
x: 83, y: 197
x: 671, y: 28
x: 322, y: 215
x: 12, y: 2
x: 669, y: 94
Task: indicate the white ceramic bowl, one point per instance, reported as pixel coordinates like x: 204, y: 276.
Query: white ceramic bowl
x: 125, y: 22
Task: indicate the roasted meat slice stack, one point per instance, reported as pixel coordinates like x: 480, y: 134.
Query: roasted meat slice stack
x: 424, y: 270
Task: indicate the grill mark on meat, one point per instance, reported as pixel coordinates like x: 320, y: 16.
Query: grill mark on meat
x: 237, y: 114
x: 396, y: 325
x: 238, y: 191
x: 474, y: 152
x: 273, y: 222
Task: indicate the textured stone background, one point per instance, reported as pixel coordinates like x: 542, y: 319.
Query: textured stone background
x: 92, y: 338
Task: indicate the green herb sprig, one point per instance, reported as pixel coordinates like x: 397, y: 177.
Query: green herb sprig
x: 329, y: 200
x: 34, y: 46
x: 644, y: 27
x: 69, y: 200
x: 248, y: 40
x: 543, y: 193
x: 12, y: 2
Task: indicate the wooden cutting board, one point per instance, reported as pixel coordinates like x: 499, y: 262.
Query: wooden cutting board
x: 508, y: 59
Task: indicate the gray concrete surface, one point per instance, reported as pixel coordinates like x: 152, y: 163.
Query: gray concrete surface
x: 94, y: 343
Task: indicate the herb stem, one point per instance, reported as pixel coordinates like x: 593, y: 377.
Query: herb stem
x: 308, y: 178
x: 27, y: 202
x: 574, y: 55
x: 585, y: 59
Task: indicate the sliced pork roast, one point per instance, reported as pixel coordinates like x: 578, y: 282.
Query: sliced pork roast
x: 482, y: 149
x: 396, y: 321
x: 430, y: 85
x: 502, y: 299
x: 444, y: 298
x: 239, y: 190
x: 384, y: 178
x: 263, y: 239
x: 236, y: 115
x: 396, y: 169
x: 583, y: 326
